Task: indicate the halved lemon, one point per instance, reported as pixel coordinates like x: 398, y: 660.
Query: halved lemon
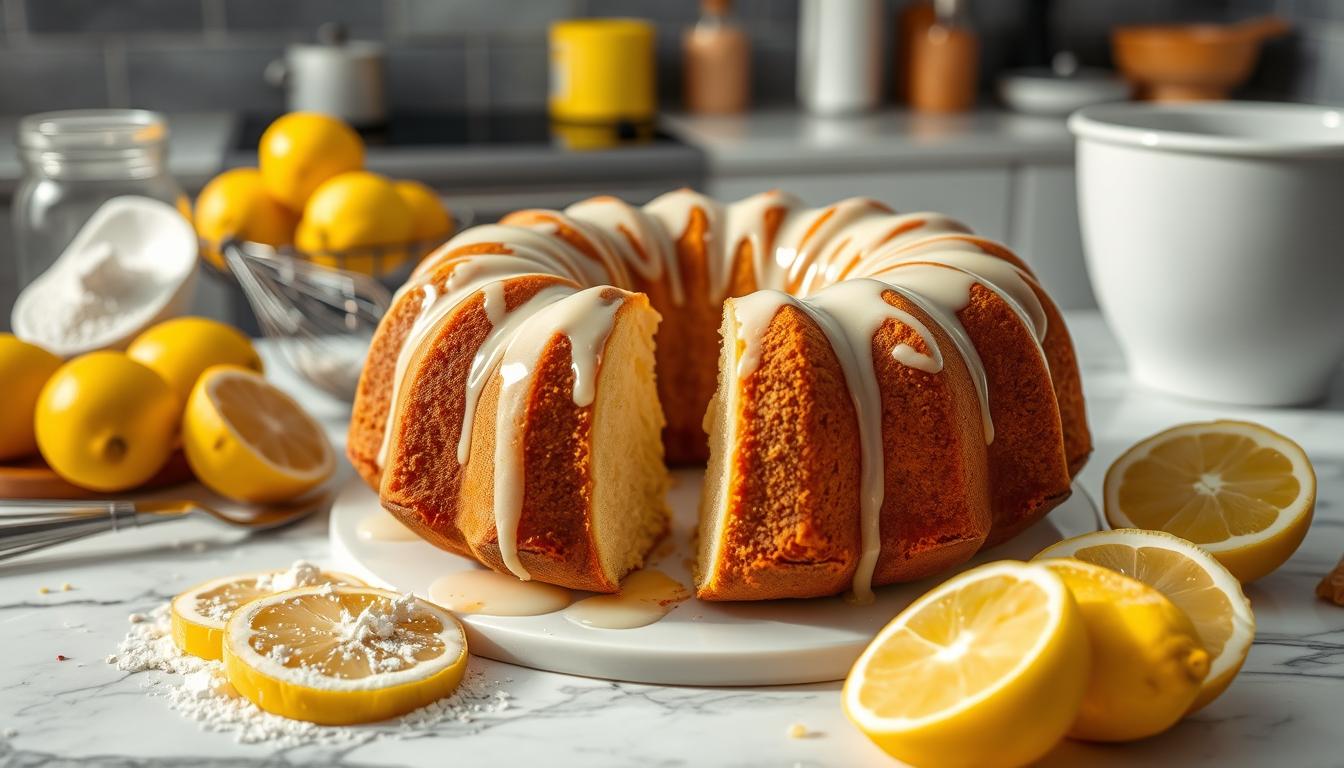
x: 343, y: 655
x: 1191, y: 578
x: 247, y: 440
x: 199, y: 614
x: 1147, y: 659
x: 987, y: 669
x: 1239, y: 490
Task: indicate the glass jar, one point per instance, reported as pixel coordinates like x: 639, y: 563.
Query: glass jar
x: 73, y: 162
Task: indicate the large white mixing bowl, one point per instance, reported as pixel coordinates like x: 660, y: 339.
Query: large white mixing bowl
x: 1215, y: 243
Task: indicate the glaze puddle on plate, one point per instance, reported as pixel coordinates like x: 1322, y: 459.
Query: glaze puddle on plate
x: 645, y: 597
x: 382, y: 526
x: 496, y: 594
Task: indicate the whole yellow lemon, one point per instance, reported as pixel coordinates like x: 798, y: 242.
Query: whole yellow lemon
x: 235, y: 204
x: 181, y: 349
x: 356, y: 221
x: 24, y: 368
x: 1147, y: 659
x: 106, y: 422
x: 432, y: 223
x: 301, y: 150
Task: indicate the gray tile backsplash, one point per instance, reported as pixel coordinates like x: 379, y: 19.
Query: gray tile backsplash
x: 419, y: 18
x: 445, y: 54
x: 115, y: 16
x: 63, y: 76
x: 180, y: 77
x: 362, y: 17
x: 518, y: 73
x: 426, y: 77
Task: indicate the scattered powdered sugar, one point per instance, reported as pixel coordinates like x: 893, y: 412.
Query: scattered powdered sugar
x: 200, y: 691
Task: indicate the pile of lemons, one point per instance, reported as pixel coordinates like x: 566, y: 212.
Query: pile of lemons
x: 109, y: 421
x: 1109, y: 636
x: 309, y: 191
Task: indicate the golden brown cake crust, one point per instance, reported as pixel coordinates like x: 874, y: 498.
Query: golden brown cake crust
x: 793, y: 531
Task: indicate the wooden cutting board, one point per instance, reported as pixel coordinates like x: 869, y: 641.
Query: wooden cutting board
x: 33, y: 479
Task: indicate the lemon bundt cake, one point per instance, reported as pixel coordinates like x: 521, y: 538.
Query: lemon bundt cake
x: 883, y: 393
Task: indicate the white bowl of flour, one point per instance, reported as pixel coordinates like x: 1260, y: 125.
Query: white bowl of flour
x: 132, y: 265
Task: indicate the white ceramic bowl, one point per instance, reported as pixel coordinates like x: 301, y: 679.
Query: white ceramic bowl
x: 1214, y: 235
x: 148, y: 236
x: 1039, y: 91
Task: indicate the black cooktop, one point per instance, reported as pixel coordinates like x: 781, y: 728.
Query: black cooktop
x: 465, y: 129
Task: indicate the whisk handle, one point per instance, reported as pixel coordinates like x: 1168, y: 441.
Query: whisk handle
x: 27, y: 526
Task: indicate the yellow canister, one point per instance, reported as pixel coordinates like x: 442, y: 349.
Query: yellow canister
x: 602, y: 71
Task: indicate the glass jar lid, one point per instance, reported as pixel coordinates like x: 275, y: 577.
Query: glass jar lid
x: 92, y: 130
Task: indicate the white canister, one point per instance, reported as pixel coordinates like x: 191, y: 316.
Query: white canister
x: 1212, y: 236
x: 840, y: 55
x: 335, y: 76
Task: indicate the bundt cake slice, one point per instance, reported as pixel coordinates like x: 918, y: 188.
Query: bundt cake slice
x: 561, y: 477
x: 791, y: 445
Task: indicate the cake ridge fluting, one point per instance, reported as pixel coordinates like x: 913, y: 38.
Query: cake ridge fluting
x: 812, y: 300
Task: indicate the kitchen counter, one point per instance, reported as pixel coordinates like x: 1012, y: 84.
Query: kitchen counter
x: 1282, y: 709
x: 771, y: 142
x: 762, y: 142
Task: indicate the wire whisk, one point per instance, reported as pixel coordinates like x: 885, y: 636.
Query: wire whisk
x: 321, y: 317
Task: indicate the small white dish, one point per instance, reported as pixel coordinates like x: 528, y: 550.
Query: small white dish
x: 150, y: 242
x: 1042, y: 91
x: 1212, y: 234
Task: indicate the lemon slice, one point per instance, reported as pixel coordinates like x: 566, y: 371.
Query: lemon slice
x: 198, y: 615
x: 249, y: 441
x: 988, y: 668
x: 1242, y: 492
x: 1191, y: 578
x: 343, y: 655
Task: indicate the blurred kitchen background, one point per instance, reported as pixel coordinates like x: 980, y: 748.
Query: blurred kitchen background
x: 465, y: 87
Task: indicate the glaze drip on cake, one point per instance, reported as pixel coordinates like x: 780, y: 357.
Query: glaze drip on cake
x: 961, y: 313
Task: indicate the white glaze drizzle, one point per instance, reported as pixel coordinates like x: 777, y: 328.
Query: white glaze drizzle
x: 849, y: 313
x: 503, y: 327
x: 586, y: 318
x: 608, y: 253
x: 641, y: 239
x: 437, y: 304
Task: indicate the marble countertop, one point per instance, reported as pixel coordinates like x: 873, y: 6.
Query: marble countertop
x: 1284, y: 708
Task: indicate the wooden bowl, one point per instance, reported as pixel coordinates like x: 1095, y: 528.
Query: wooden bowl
x: 1193, y: 62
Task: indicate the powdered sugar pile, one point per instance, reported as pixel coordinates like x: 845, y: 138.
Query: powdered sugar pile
x: 300, y: 574
x: 100, y: 296
x: 201, y: 692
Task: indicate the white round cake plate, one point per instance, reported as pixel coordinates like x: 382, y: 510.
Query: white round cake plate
x: 774, y: 642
